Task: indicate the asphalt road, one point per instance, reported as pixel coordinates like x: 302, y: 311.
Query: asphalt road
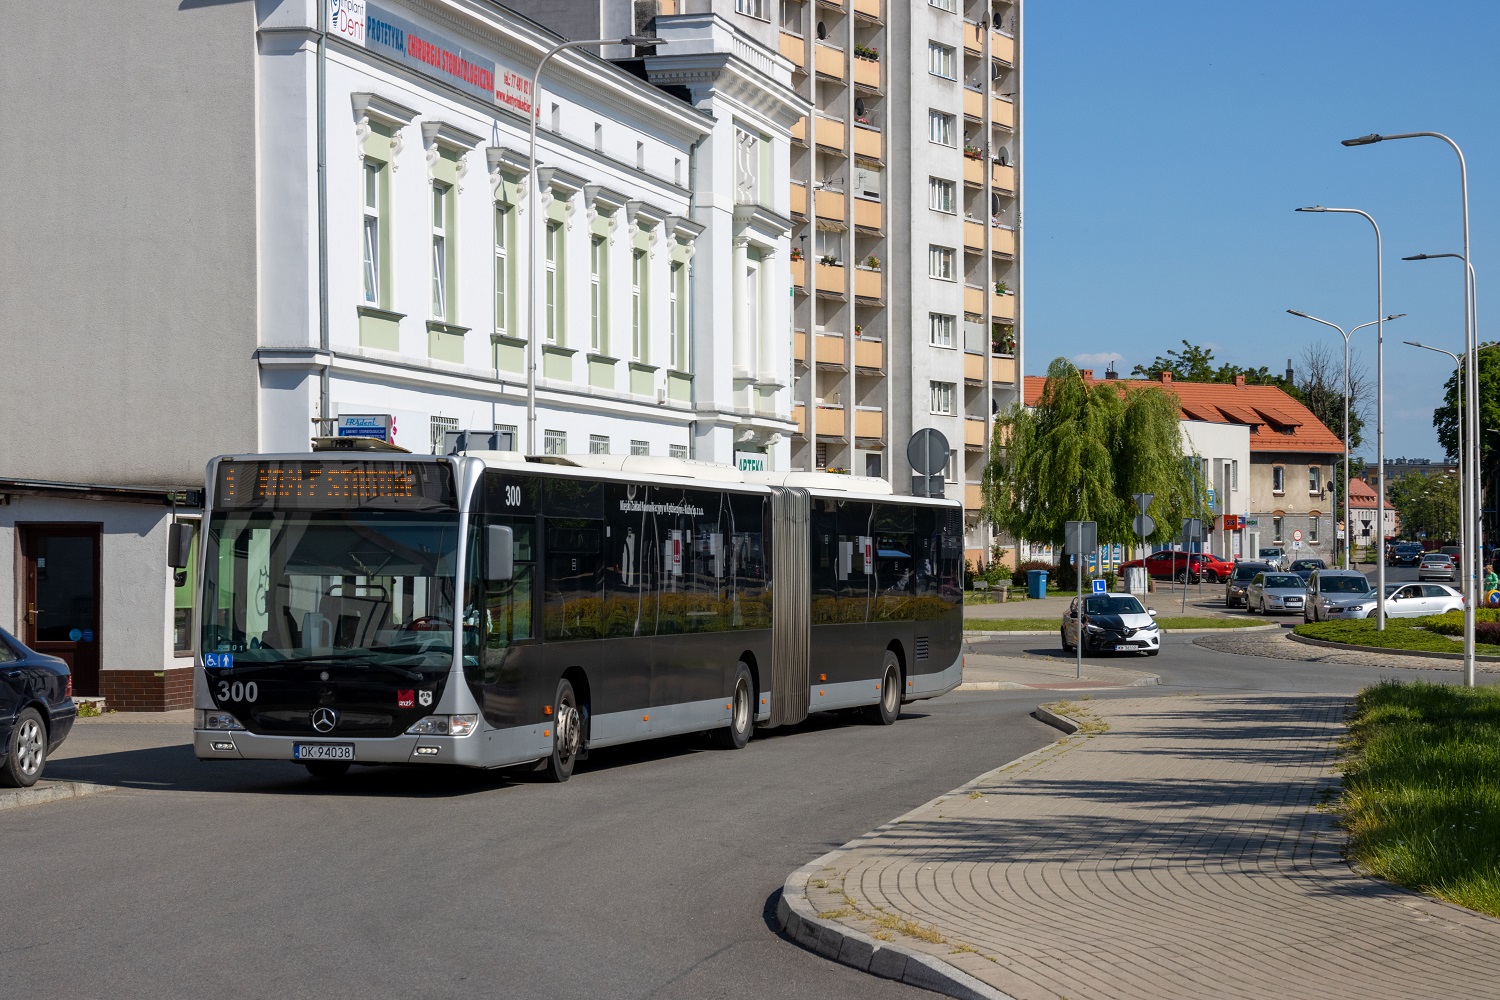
x: 653, y: 873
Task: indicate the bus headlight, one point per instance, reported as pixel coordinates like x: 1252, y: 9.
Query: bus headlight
x: 445, y: 725
x: 222, y: 721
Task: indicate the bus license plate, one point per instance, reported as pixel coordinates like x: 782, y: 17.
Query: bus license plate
x: 322, y: 751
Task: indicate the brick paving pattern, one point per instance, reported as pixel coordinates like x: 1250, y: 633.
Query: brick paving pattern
x: 1278, y: 646
x: 1180, y: 854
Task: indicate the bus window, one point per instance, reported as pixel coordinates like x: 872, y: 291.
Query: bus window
x: 823, y: 531
x: 509, y: 605
x: 746, y: 572
x: 571, y: 596
x: 856, y: 566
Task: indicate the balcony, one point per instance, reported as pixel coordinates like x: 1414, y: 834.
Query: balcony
x: 869, y: 422
x: 869, y: 8
x: 830, y: 420
x: 830, y: 61
x: 1002, y: 47
x: 1002, y: 112
x: 799, y: 198
x: 974, y: 368
x: 868, y: 214
x: 868, y: 142
x: 973, y: 38
x: 799, y: 346
x: 974, y: 432
x: 1003, y: 306
x: 1003, y: 240
x: 799, y: 414
x: 830, y: 133
x: 829, y: 204
x: 869, y: 354
x: 974, y: 171
x: 794, y: 47
x: 1003, y: 177
x: 867, y: 73
x: 831, y: 278
x: 830, y: 348
x: 973, y: 235
x: 1003, y: 371
x: 973, y: 104
x: 799, y: 131
x: 868, y: 284
x: 973, y: 496
x: 974, y: 299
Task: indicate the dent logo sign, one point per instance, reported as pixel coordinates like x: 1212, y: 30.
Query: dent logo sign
x: 346, y: 18
x: 406, y: 699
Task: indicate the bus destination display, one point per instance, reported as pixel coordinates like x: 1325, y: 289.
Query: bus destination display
x: 334, y: 485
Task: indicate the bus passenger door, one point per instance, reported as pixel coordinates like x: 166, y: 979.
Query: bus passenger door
x: 508, y: 628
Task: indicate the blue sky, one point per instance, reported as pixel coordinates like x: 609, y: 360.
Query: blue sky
x: 1168, y: 142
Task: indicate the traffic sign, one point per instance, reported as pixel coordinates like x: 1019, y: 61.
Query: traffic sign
x: 1080, y: 537
x: 1098, y: 586
x: 927, y: 451
x: 1144, y: 525
x: 1297, y: 535
x: 1143, y: 500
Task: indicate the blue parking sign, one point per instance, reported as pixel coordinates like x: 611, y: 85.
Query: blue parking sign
x: 1098, y: 586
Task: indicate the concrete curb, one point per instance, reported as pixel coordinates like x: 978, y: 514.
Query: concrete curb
x: 847, y: 946
x: 1144, y: 680
x: 54, y: 792
x: 975, y: 633
x: 1429, y: 653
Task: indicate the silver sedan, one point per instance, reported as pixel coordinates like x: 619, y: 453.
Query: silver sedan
x: 1276, y: 593
x: 1437, y: 566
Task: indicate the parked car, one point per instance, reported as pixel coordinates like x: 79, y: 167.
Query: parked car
x: 1437, y: 566
x: 36, y: 710
x: 1275, y: 557
x: 1330, y: 593
x: 1239, y: 580
x: 1186, y: 567
x: 1404, y: 554
x: 1456, y: 553
x: 1305, y: 567
x: 1276, y: 592
x: 1113, y: 623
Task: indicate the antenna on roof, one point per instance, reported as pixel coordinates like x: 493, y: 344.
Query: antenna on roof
x: 1110, y: 372
x: 1289, y: 373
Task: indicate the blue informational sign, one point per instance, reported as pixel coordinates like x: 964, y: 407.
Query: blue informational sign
x: 75, y: 634
x: 1213, y: 502
x: 1098, y: 586
x: 218, y: 661
x: 88, y: 635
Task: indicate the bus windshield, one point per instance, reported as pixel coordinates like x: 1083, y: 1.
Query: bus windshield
x: 365, y: 587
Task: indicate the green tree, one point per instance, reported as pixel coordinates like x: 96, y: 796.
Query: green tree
x: 1081, y: 453
x: 1196, y: 364
x: 1426, y: 504
x: 1445, y: 417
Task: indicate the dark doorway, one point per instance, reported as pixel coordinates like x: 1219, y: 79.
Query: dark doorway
x: 60, y: 594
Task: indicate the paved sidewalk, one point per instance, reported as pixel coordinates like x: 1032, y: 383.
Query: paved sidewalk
x: 1179, y: 854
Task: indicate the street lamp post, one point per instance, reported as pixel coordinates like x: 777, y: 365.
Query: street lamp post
x: 1471, y: 347
x: 1379, y: 403
x: 638, y: 41
x: 1348, y: 517
x: 1465, y: 519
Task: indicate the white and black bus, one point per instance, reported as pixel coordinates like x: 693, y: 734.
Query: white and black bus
x: 494, y: 610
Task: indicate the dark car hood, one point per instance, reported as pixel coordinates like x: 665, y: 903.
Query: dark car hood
x: 1117, y: 623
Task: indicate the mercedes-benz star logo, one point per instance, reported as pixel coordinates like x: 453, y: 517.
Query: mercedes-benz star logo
x: 324, y: 719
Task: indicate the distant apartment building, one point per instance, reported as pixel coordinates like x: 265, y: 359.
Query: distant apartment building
x: 1265, y: 458
x: 905, y: 199
x: 324, y: 208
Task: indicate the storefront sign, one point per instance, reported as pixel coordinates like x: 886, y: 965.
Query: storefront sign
x: 346, y: 19
x: 375, y: 425
x: 430, y: 53
x: 750, y: 461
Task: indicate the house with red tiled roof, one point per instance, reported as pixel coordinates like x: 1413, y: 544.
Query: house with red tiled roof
x: 1291, y: 499
x: 1362, y: 513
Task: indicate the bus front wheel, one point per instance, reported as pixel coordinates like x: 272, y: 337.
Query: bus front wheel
x: 567, y: 735
x: 741, y: 713
x: 885, y: 711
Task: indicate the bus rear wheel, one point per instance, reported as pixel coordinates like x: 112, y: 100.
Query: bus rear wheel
x: 741, y: 713
x: 567, y: 735
x: 885, y: 711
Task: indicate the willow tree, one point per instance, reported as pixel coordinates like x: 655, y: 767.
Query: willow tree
x: 1080, y: 453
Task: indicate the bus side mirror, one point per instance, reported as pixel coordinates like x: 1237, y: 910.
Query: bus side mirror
x: 179, y: 544
x: 500, y: 553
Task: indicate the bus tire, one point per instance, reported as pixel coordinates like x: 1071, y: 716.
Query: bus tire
x: 888, y: 708
x: 741, y: 713
x: 567, y: 735
x: 326, y: 770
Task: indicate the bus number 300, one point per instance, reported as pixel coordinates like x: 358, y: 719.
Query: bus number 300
x: 238, y: 691
x: 512, y: 496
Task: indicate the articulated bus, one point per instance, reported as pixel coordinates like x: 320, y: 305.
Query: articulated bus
x: 502, y: 611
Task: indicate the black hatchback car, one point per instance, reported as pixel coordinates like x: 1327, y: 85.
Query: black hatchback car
x: 36, y: 710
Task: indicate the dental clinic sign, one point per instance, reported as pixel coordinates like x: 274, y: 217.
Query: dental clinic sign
x: 430, y: 53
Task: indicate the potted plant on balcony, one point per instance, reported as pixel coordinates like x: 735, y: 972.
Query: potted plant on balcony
x: 872, y: 262
x: 973, y: 152
x: 1001, y: 288
x: 796, y: 253
x: 866, y: 52
x: 828, y: 259
x: 858, y: 329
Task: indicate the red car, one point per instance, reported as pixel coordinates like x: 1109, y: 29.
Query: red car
x: 1187, y: 567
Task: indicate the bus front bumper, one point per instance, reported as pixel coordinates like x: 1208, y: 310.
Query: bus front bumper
x: 241, y: 745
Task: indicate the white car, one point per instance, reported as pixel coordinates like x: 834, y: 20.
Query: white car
x: 1111, y: 622
x: 1411, y: 600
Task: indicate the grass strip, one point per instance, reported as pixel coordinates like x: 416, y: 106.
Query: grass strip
x: 1400, y: 633
x: 1422, y: 789
x: 1049, y: 624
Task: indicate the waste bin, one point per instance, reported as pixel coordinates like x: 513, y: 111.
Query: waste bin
x: 1036, y: 583
x: 1135, y: 579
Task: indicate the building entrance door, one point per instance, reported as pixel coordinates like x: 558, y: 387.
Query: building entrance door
x: 60, y: 594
